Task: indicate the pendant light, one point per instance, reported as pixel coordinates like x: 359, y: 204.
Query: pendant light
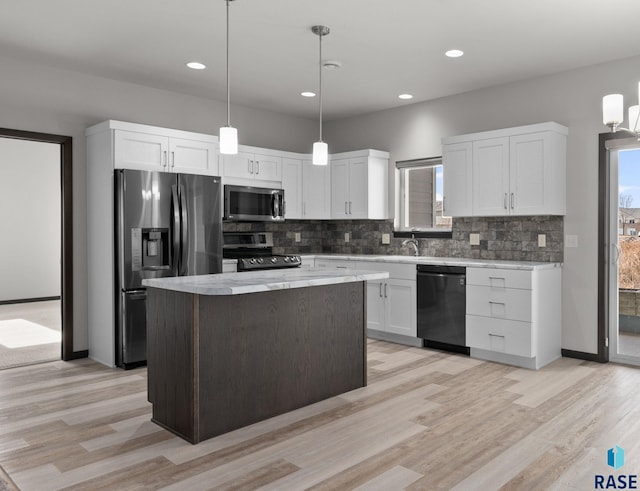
x: 228, y: 134
x: 320, y: 148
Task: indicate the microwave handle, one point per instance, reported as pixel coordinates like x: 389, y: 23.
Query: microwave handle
x: 277, y: 205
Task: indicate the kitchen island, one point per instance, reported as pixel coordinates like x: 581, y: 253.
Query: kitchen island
x: 228, y: 350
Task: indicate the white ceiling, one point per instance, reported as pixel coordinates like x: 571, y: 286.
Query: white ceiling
x: 386, y: 47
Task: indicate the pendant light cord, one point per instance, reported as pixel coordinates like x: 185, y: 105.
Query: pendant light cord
x: 228, y: 91
x: 320, y: 84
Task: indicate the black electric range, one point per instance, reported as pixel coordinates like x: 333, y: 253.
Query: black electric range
x: 254, y: 251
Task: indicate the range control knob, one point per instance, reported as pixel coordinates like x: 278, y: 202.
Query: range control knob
x: 286, y: 259
x: 274, y: 260
x: 252, y: 260
x: 260, y: 260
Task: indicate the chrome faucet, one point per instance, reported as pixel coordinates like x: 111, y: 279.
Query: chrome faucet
x: 412, y: 241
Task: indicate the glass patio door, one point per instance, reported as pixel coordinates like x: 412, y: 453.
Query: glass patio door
x: 624, y: 335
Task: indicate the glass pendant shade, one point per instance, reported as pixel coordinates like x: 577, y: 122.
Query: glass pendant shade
x: 612, y: 109
x: 228, y: 140
x: 634, y: 124
x: 320, y: 153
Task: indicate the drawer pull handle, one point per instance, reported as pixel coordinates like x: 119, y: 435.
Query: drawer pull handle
x: 496, y: 303
x: 496, y: 335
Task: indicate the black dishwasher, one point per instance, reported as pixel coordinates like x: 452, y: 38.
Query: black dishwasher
x: 441, y: 307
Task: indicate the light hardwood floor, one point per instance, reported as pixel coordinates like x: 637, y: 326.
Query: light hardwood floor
x: 427, y: 420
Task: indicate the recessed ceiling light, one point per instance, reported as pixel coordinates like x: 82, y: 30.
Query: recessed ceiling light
x: 454, y: 53
x: 405, y: 96
x: 308, y: 94
x: 196, y: 65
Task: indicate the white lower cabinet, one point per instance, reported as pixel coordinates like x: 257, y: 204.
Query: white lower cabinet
x: 391, y: 303
x: 514, y: 316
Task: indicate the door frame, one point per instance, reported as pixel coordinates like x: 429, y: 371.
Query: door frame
x: 607, y: 141
x: 66, y: 222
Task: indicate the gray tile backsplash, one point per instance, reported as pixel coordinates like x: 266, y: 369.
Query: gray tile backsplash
x: 501, y: 238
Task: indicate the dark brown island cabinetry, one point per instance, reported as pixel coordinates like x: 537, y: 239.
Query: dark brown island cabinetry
x: 221, y: 362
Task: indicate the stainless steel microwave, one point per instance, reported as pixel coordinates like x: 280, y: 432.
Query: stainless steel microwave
x: 252, y: 204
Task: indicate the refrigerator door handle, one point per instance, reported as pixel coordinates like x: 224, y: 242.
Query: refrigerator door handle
x: 175, y: 232
x: 184, y: 227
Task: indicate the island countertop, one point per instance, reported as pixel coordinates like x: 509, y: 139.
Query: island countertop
x: 262, y: 281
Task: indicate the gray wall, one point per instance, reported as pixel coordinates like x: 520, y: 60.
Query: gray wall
x: 572, y: 98
x: 50, y: 100
x: 29, y: 219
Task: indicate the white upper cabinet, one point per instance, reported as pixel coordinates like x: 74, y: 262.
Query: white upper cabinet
x: 307, y: 189
x: 140, y: 151
x: 250, y: 165
x: 515, y: 171
x: 456, y: 169
x: 162, y: 149
x: 490, y: 190
x: 316, y: 191
x: 292, y: 185
x: 193, y: 157
x: 359, y: 185
x: 340, y: 188
x: 537, y: 173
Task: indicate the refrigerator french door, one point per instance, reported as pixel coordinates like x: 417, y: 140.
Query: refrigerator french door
x: 166, y: 225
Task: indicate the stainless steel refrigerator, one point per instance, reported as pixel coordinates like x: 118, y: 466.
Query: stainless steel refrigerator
x: 166, y: 225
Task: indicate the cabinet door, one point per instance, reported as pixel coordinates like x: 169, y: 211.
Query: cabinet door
x: 340, y: 188
x: 239, y: 165
x: 267, y: 168
x: 358, y: 203
x: 316, y: 191
x: 140, y: 151
x: 530, y: 173
x: 376, y: 305
x: 193, y: 157
x: 457, y: 179
x: 401, y: 306
x: 292, y: 185
x: 491, y: 177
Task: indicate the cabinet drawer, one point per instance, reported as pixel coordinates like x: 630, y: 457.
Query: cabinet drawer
x: 499, y: 335
x: 395, y: 270
x: 335, y: 263
x: 499, y: 278
x: 500, y: 303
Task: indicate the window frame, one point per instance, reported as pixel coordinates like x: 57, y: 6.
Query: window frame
x: 399, y: 232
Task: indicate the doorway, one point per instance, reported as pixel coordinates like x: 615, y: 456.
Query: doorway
x: 36, y: 295
x: 624, y: 262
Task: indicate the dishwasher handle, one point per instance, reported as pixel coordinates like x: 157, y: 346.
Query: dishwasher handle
x: 430, y: 269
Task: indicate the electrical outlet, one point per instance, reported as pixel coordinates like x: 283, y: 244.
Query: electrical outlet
x: 386, y: 239
x: 542, y: 240
x: 571, y: 241
x: 474, y: 239
x: 347, y: 238
x: 298, y: 238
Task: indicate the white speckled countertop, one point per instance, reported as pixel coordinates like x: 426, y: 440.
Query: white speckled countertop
x: 261, y: 281
x: 441, y: 261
